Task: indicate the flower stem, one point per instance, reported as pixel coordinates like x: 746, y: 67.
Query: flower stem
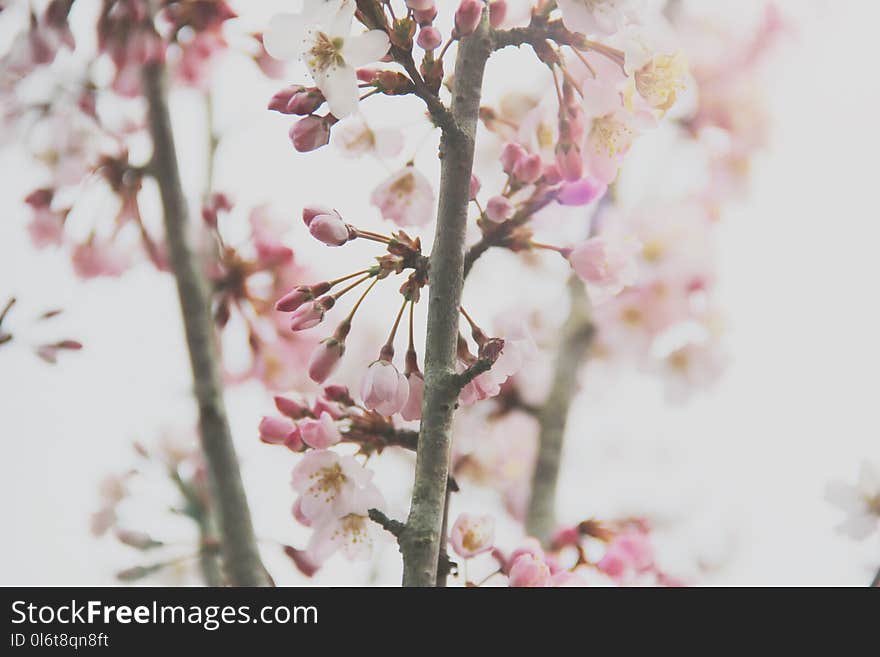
x: 577, y: 334
x: 420, y: 542
x: 241, y: 558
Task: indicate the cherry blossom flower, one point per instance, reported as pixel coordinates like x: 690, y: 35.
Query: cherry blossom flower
x: 472, y: 535
x: 605, y: 265
x: 321, y: 35
x: 321, y: 433
x: 627, y: 555
x: 353, y: 532
x: 529, y: 570
x: 384, y: 389
x: 328, y: 484
x: 406, y: 198
x: 96, y: 258
x: 329, y: 229
x: 860, y: 502
x: 355, y: 137
x: 598, y: 16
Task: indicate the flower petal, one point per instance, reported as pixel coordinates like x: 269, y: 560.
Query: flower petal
x: 284, y: 37
x: 365, y: 48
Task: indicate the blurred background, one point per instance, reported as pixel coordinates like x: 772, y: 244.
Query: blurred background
x: 733, y: 478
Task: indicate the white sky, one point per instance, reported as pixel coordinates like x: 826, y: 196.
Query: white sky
x: 739, y: 472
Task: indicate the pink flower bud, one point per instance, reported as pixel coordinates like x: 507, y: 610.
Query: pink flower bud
x: 276, y: 430
x: 551, y: 174
x: 511, y: 154
x: 294, y: 299
x: 321, y: 433
x: 497, y: 12
x: 329, y: 229
x: 279, y: 101
x: 475, y: 187
x: 425, y: 16
x: 420, y: 5
x: 529, y: 570
x: 429, y: 38
x: 528, y: 169
x: 412, y: 410
x: 304, y: 101
x: 322, y: 405
x: 569, y: 161
x: 310, y: 133
x: 290, y: 408
x: 325, y: 359
x: 307, y: 316
x: 313, y: 211
x: 581, y: 192
x: 467, y: 17
x: 499, y: 209
x: 384, y: 389
x: 472, y: 535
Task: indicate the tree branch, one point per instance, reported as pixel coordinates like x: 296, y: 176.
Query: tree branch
x: 420, y: 542
x: 240, y: 555
x: 577, y: 334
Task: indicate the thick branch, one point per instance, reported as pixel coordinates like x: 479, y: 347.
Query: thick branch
x: 577, y: 334
x: 420, y: 542
x: 241, y: 558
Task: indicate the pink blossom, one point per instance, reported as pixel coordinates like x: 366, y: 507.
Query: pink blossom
x: 472, y: 535
x: 412, y: 410
x: 605, y: 265
x: 329, y: 229
x: 609, y: 140
x: 499, y: 209
x: 497, y: 12
x: 529, y: 571
x: 321, y: 433
x: 352, y: 532
x: 405, y: 198
x: 628, y: 554
x: 294, y: 299
x: 298, y: 514
x: 92, y: 259
x: 429, y: 38
x: 309, y: 314
x: 581, y: 192
x: 567, y: 579
x: 511, y: 155
x: 328, y: 484
x: 384, y: 389
x: 467, y: 17
x: 276, y: 430
x: 325, y: 359
x: 475, y: 187
x: 528, y: 170
x: 310, y: 133
x: 420, y: 5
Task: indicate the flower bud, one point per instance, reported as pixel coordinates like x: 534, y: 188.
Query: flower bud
x: 467, y: 17
x: 325, y: 359
x: 412, y: 410
x: 384, y: 389
x: 429, y: 38
x: 528, y: 169
x: 511, y: 154
x: 310, y: 314
x: 581, y: 192
x: 321, y: 433
x: 529, y: 570
x: 475, y: 187
x: 499, y: 209
x: 310, y: 133
x: 276, y: 430
x: 329, y: 229
x: 497, y: 12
